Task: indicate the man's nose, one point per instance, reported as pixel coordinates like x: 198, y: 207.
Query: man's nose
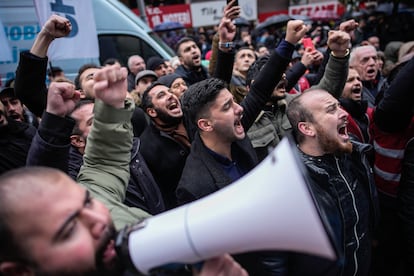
x: 94, y: 220
x: 342, y: 113
x: 239, y: 109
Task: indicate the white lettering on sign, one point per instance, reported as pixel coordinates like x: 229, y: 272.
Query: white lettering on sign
x: 181, y: 17
x: 153, y: 11
x: 210, y: 13
x: 310, y: 9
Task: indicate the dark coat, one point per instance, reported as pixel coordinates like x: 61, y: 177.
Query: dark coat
x: 203, y: 175
x: 30, y: 86
x: 15, y: 140
x: 165, y: 158
x: 191, y: 76
x: 406, y: 207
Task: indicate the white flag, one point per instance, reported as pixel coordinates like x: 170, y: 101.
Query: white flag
x: 83, y: 40
x: 5, y: 51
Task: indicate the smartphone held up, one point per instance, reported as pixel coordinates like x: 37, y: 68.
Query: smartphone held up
x: 236, y: 2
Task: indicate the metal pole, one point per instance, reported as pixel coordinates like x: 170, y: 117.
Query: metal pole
x: 141, y: 8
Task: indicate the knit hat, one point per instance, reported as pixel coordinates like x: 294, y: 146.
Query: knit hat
x: 167, y: 80
x: 7, y: 92
x: 145, y: 73
x: 154, y: 62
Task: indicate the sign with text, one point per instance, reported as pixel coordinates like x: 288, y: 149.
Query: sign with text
x: 82, y: 42
x: 310, y: 9
x: 210, y: 13
x: 170, y: 13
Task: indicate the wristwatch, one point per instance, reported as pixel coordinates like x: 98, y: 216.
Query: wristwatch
x: 226, y: 45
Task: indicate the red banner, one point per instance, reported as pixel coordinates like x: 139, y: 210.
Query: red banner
x: 171, y: 13
x: 311, y: 9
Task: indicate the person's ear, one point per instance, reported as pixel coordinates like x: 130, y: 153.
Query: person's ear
x: 204, y: 125
x: 77, y: 141
x: 306, y: 128
x: 15, y: 269
x: 82, y: 94
x: 152, y: 112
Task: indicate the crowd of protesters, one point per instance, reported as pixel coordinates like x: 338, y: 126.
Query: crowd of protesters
x: 83, y: 159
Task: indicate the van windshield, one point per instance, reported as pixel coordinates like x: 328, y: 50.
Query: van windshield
x: 122, y: 46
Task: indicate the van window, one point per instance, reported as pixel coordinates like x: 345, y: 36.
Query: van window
x: 163, y: 45
x: 122, y: 47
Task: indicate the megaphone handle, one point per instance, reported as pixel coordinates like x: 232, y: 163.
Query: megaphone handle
x: 198, y: 266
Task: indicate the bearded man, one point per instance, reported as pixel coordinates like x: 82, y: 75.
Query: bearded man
x: 341, y: 180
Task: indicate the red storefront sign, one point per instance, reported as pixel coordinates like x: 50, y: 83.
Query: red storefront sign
x: 170, y: 13
x: 311, y: 9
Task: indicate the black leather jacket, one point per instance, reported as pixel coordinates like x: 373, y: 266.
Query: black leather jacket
x: 331, y: 179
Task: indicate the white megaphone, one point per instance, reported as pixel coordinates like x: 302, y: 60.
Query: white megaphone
x: 271, y: 208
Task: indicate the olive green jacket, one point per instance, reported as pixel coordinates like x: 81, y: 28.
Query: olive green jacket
x: 105, y: 171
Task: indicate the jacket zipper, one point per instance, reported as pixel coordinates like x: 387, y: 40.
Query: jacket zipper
x: 356, y: 214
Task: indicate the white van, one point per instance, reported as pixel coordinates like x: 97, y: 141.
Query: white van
x: 121, y: 33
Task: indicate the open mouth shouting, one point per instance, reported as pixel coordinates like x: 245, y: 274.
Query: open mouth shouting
x: 371, y: 73
x: 238, y: 127
x: 356, y: 92
x: 196, y: 59
x: 343, y: 131
x: 15, y: 117
x: 174, y: 106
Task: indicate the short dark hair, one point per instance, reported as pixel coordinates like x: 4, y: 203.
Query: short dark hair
x: 82, y: 69
x: 297, y: 113
x: 181, y: 41
x: 111, y: 61
x: 146, y: 101
x: 199, y: 97
x: 53, y: 70
x: 82, y: 102
x: 255, y: 68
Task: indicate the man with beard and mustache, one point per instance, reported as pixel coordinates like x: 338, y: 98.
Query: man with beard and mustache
x: 342, y: 183
x: 15, y: 109
x: 165, y: 143
x: 189, y: 54
x: 64, y: 230
x: 272, y: 123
